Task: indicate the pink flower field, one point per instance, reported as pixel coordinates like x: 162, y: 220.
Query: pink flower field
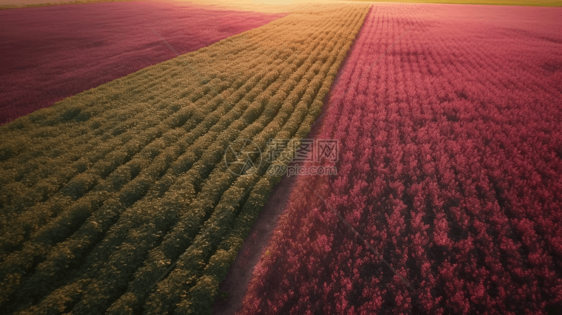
x: 50, y: 53
x: 428, y: 180
x: 448, y: 193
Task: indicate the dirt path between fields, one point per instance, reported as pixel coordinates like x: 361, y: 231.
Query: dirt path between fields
x: 236, y: 283
x: 240, y: 273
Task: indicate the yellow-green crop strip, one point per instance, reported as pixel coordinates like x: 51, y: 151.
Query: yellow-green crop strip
x: 118, y: 200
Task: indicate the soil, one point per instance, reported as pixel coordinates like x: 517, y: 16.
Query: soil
x: 240, y: 273
x: 235, y: 285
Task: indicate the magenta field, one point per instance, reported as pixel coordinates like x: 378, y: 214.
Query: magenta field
x: 50, y: 53
x: 450, y: 127
x: 319, y: 157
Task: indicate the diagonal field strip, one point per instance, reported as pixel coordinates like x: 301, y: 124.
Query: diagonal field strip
x: 94, y: 229
x: 50, y: 53
x: 192, y: 70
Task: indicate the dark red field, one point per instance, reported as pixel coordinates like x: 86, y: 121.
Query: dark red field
x: 49, y: 53
x: 449, y: 169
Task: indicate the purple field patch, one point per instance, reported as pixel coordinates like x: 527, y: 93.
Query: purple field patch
x: 50, y: 53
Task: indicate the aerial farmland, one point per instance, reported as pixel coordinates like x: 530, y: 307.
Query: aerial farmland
x: 281, y: 157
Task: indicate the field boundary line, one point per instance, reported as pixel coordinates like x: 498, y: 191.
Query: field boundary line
x: 361, y: 77
x: 198, y: 75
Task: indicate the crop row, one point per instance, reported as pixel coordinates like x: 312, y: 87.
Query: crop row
x: 142, y: 215
x: 449, y: 170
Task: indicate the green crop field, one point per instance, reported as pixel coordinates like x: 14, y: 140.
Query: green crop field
x: 128, y: 180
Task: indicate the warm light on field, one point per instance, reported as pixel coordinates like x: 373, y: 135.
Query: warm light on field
x: 273, y: 2
x: 147, y: 150
x: 273, y: 6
